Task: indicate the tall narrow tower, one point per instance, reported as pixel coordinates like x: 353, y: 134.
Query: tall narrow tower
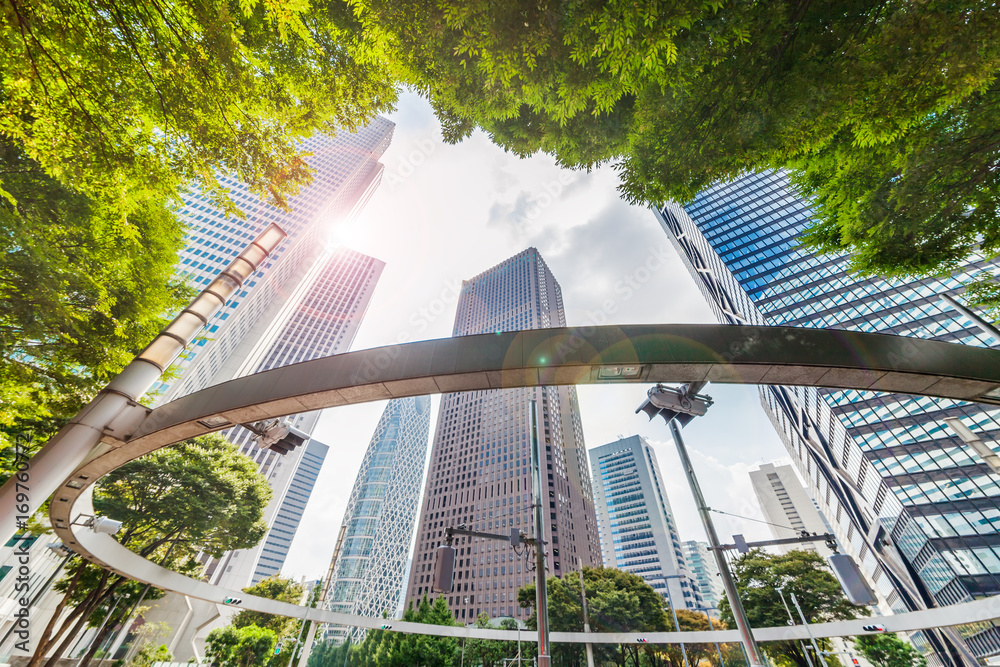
x: 380, y: 517
x: 636, y: 524
x: 479, y: 473
x: 787, y: 507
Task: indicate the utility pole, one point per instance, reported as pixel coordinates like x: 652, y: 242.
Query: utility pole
x: 739, y: 614
x: 678, y: 407
x: 541, y: 594
x: 586, y: 617
x: 791, y: 621
x: 795, y: 601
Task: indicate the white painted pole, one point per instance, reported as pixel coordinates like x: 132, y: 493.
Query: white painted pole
x: 117, y: 404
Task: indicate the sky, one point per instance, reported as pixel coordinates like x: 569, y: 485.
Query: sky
x: 445, y: 213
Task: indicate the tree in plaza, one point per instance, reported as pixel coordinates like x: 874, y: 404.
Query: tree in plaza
x: 201, y: 495
x: 82, y: 295
x: 272, y: 588
x: 121, y: 100
x: 885, y: 112
x: 384, y: 648
x: 284, y: 628
x: 489, y: 652
x: 617, y: 601
x: 249, y: 646
x: 888, y: 650
x: 758, y: 575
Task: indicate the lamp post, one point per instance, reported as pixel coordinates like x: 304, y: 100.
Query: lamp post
x: 683, y: 405
x: 812, y: 639
x: 791, y: 621
x: 115, y: 412
x: 541, y: 594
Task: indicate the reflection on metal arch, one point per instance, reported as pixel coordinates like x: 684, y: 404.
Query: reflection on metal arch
x: 566, y: 356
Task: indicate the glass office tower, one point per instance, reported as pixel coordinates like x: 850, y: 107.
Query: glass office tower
x: 905, y: 494
x: 368, y: 575
x: 635, y: 522
x: 479, y: 472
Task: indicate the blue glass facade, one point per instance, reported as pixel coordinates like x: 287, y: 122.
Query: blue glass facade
x: 635, y: 523
x: 910, y: 499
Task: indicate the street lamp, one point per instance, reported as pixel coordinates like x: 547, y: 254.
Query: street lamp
x: 680, y: 406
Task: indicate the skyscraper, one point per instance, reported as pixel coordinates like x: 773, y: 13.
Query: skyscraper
x: 702, y: 566
x: 347, y: 172
x: 479, y: 472
x: 787, y: 507
x: 635, y: 522
x: 903, y: 492
x: 307, y: 302
x: 368, y: 576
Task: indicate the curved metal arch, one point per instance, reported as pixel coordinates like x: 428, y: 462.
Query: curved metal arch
x: 566, y: 356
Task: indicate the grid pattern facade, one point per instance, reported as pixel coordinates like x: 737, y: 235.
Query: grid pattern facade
x: 635, y: 522
x: 275, y: 548
x: 787, y: 507
x: 368, y: 576
x: 346, y: 173
x: 324, y: 321
x: 904, y: 493
x: 479, y: 471
x: 701, y: 564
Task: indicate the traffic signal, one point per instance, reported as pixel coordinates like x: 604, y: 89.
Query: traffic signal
x: 851, y: 580
x: 233, y: 601
x: 873, y: 628
x: 642, y: 640
x: 444, y: 569
x: 277, y: 649
x: 386, y: 627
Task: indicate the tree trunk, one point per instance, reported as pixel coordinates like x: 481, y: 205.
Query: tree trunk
x: 108, y: 629
x: 45, y: 640
x: 100, y: 593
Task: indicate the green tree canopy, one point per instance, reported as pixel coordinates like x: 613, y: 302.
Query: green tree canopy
x: 758, y: 576
x: 248, y: 646
x: 82, y: 295
x: 884, y: 111
x: 272, y: 588
x: 201, y: 495
x: 385, y: 648
x: 888, y: 650
x: 617, y: 601
x: 124, y: 99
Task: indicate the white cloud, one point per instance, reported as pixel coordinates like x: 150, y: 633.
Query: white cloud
x: 445, y: 213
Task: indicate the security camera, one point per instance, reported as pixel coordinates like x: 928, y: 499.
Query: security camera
x: 104, y: 525
x: 59, y: 549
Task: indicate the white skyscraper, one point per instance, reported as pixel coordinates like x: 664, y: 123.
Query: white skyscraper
x: 635, y: 522
x: 369, y: 573
x: 787, y: 507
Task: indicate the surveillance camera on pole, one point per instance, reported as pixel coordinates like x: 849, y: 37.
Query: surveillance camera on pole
x: 103, y: 525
